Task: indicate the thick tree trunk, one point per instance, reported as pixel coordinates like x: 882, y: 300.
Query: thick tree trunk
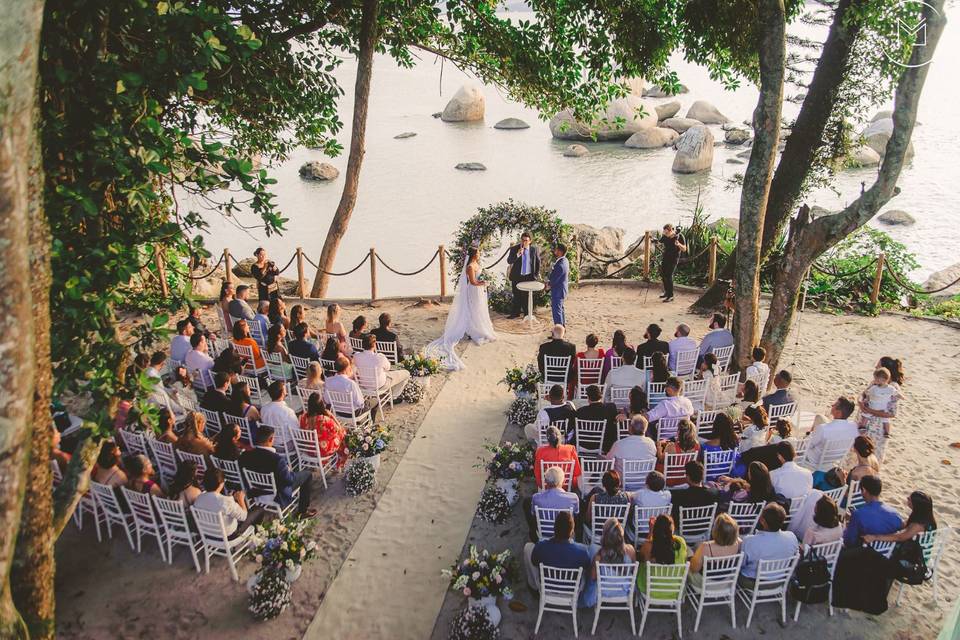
x: 810, y: 239
x: 756, y: 179
x: 807, y: 138
x: 19, y: 51
x: 348, y: 199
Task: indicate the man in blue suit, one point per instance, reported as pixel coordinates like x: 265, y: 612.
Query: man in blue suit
x: 558, y: 284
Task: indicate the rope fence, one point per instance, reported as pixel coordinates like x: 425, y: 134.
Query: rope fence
x: 408, y: 273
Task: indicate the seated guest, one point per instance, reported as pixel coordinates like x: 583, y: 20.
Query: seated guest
x: 277, y: 412
x: 782, y: 395
x: 233, y: 508
x: 638, y: 402
x: 331, y: 350
x: 613, y: 550
x: 709, y: 370
x: 180, y: 344
x: 627, y: 375
x: 227, y: 443
x: 681, y: 342
x: 755, y: 487
x: 722, y: 436
x: 331, y: 436
x: 840, y: 428
x: 335, y: 328
x: 241, y: 403
x: 755, y: 424
x: 241, y: 336
x: 618, y: 346
x: 725, y: 541
x: 384, y: 333
x: 558, y: 409
x: 298, y: 316
x: 749, y: 395
x: 198, y: 358
x: 181, y: 388
x: 552, y: 496
x: 874, y: 518
x: 277, y: 312
x: 239, y: 308
x: 276, y: 345
x: 654, y: 494
x: 597, y: 409
x: 166, y: 422
x: 61, y: 457
x: 140, y: 363
x: 314, y: 379
x: 262, y: 318
x: 557, y: 346
x: 193, y: 440
x: 826, y: 524
x: 592, y: 352
x: 300, y: 346
x: 184, y: 485
x: 370, y: 359
x: 685, y: 442
x: 223, y: 305
x: 695, y: 495
x: 718, y: 336
x: 759, y: 370
x: 867, y: 463
x: 658, y: 368
x: 651, y: 345
x: 229, y: 362
x: 921, y: 520
x: 140, y: 475
x: 556, y: 451
x: 560, y: 551
x: 610, y: 491
x: 263, y: 458
x: 634, y: 446
x: 673, y: 405
x: 790, y: 480
x: 768, y: 543
x: 193, y: 317
x: 343, y: 382
x: 359, y: 329
x: 216, y: 399
x: 660, y: 547
x: 107, y: 470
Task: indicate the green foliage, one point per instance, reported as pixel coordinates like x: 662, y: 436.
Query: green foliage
x: 694, y: 265
x: 949, y: 308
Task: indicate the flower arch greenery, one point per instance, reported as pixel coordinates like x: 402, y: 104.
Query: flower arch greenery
x: 488, y: 226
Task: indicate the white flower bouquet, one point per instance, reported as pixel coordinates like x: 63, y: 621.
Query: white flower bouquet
x: 494, y: 505
x: 522, y: 411
x: 360, y: 477
x: 271, y: 594
x: 483, y: 574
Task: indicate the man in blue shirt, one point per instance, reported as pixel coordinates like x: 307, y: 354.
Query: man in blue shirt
x: 553, y: 496
x: 261, y: 317
x: 719, y: 336
x: 559, y: 551
x: 301, y: 347
x: 873, y: 518
x: 768, y: 543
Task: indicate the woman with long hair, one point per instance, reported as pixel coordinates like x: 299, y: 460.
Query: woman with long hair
x: 330, y: 433
x: 184, y: 486
x: 227, y: 445
x: 618, y: 346
x: 661, y: 547
x: 331, y: 350
x: 610, y: 491
x: 226, y: 296
x: 193, y: 439
x: 277, y: 312
x: 613, y: 550
x: 722, y: 437
x: 335, y: 328
x: 749, y: 395
x: 314, y: 379
x: 107, y: 469
x: 140, y: 476
x: 755, y: 424
x: 276, y: 344
x: 826, y: 525
x: 921, y: 520
x: 658, y: 369
x: 895, y: 367
x: 867, y: 463
x: 298, y: 315
x: 757, y: 486
x: 241, y: 336
x: 685, y: 442
x: 359, y: 329
x: 724, y: 541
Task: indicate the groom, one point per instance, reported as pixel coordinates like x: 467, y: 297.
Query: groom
x: 557, y: 286
x: 524, y: 261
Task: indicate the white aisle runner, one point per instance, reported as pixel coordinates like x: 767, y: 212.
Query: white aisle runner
x: 391, y: 585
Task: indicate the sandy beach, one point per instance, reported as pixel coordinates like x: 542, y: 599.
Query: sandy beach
x: 106, y: 591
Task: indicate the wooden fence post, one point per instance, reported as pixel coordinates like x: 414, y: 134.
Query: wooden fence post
x: 646, y: 255
x: 373, y: 274
x: 226, y: 265
x: 712, y: 269
x: 300, y: 273
x: 161, y: 271
x: 443, y: 272
x: 877, y: 279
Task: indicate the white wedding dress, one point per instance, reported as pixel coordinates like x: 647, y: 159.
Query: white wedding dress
x: 469, y: 316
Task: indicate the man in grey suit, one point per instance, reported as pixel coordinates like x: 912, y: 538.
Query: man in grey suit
x: 557, y: 285
x: 239, y: 307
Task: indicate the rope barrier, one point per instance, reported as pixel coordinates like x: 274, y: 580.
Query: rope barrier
x: 331, y: 273
x: 206, y: 275
x: 694, y: 257
x: 411, y: 273
x: 603, y: 261
x: 499, y: 260
x: 292, y: 258
x: 897, y: 278
x: 842, y: 276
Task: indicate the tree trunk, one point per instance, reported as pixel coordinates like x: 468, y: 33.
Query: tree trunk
x: 810, y: 239
x: 806, y: 139
x: 348, y: 199
x: 19, y: 51
x: 756, y: 180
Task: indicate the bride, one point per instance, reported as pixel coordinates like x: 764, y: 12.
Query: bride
x: 469, y: 315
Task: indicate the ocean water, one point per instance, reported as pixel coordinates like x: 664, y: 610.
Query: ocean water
x: 411, y: 199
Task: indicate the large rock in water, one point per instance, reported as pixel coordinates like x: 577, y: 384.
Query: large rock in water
x: 897, y: 217
x: 511, y: 123
x: 466, y: 105
x: 680, y: 125
x: 652, y: 138
x: 607, y: 243
x: 706, y: 113
x: 563, y: 126
x: 863, y: 156
x: 736, y: 136
x: 694, y: 151
x: 576, y: 151
x: 667, y: 109
x: 877, y: 134
x: 471, y: 166
x: 941, y: 279
x: 320, y: 171
x: 656, y: 91
x: 242, y: 268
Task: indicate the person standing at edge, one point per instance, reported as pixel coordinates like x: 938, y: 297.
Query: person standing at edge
x: 673, y: 245
x: 557, y: 286
x: 524, y: 261
x: 265, y: 272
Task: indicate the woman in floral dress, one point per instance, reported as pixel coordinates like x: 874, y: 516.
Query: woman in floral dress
x: 330, y: 434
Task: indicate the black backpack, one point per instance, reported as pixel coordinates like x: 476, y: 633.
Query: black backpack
x: 811, y: 579
x: 910, y: 566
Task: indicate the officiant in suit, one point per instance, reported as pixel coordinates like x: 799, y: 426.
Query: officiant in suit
x: 524, y: 261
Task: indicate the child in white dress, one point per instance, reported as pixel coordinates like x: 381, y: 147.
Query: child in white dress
x: 878, y: 405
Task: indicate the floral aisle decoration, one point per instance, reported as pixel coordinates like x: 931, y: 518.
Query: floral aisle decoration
x: 509, y: 463
x: 360, y: 477
x: 270, y: 595
x: 281, y: 546
x: 482, y: 577
x: 413, y: 392
x: 368, y: 443
x: 522, y: 411
x: 473, y: 623
x: 494, y: 506
x: 523, y: 382
x: 421, y: 367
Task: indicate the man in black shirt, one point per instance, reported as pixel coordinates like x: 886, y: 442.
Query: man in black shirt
x: 651, y: 345
x: 597, y: 409
x: 673, y: 245
x: 695, y: 495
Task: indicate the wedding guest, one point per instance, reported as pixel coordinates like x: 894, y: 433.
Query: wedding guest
x: 921, y: 520
x: 223, y: 305
x: 756, y: 486
x: 627, y: 375
x: 597, y: 409
x: 878, y: 406
x: 559, y: 551
x: 556, y: 451
x: 239, y: 308
x: 181, y: 388
x: 107, y: 469
x: 371, y: 359
x: 826, y: 524
x: 613, y: 550
x: 167, y: 423
x: 840, y: 428
x: 634, y: 446
x: 610, y: 491
x: 718, y: 336
x: 277, y: 345
x: 331, y: 436
x: 722, y: 436
x: 770, y: 542
x: 658, y: 368
x: 314, y: 379
x: 140, y: 363
x: 558, y: 347
x: 618, y: 346
x: 193, y: 440
x: 180, y: 344
x: 782, y: 395
x: 158, y: 360
x: 790, y: 480
x: 874, y: 518
x: 262, y: 317
x: 233, y: 508
x: 241, y: 403
x: 651, y: 345
x: 301, y: 346
x: 695, y: 494
x: 277, y: 313
x: 216, y: 399
x: 263, y: 458
x: 198, y: 359
x: 184, y: 485
x: 61, y: 457
x: 592, y: 352
x: 277, y: 412
x: 638, y: 402
x: 749, y: 395
x: 241, y: 336
x: 685, y: 442
x: 754, y: 433
x: 193, y: 317
x: 673, y: 405
x: 385, y: 333
x: 724, y: 542
x: 359, y: 328
x: 552, y: 496
x: 229, y: 362
x: 140, y: 476
x: 298, y: 315
x: 661, y: 547
x: 558, y: 410
x: 265, y: 272
x: 654, y: 492
x: 227, y: 443
x: 681, y: 342
x: 334, y: 327
x: 759, y: 370
x: 867, y: 463
x: 343, y: 382
x: 331, y: 350
x: 709, y: 370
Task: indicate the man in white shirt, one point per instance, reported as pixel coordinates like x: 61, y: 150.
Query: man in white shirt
x: 840, y: 428
x: 180, y: 344
x: 674, y: 405
x: 636, y: 446
x: 234, y: 509
x: 719, y: 336
x: 626, y: 376
x: 373, y: 360
x: 198, y: 358
x: 790, y: 480
x: 759, y: 370
x: 681, y: 342
x: 277, y: 413
x: 157, y: 361
x: 343, y: 382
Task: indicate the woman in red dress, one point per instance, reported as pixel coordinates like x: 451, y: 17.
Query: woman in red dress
x: 330, y: 434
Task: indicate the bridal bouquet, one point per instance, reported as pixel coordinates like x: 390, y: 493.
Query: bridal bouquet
x: 420, y: 365
x: 366, y: 442
x: 482, y: 574
x: 522, y: 380
x: 510, y: 461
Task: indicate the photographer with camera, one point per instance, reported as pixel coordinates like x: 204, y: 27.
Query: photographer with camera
x: 265, y: 272
x: 673, y: 244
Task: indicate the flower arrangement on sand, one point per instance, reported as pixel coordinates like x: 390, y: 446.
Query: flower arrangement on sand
x: 482, y: 574
x: 509, y: 460
x: 494, y: 505
x: 523, y: 380
x: 360, y: 477
x: 420, y: 365
x: 522, y: 411
x: 369, y: 441
x: 281, y: 546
